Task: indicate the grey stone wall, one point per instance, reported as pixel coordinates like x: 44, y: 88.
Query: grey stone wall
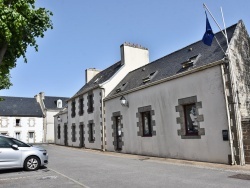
x: 240, y: 62
x: 246, y: 138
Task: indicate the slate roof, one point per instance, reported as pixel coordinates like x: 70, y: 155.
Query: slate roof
x: 171, y: 64
x: 20, y: 107
x: 51, y: 102
x: 100, y: 78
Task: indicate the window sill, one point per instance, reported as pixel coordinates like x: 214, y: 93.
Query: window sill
x: 191, y: 137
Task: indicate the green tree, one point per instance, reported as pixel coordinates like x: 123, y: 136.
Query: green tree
x: 20, y: 24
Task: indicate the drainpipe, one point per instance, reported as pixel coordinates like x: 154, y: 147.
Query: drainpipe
x: 233, y: 162
x: 102, y: 106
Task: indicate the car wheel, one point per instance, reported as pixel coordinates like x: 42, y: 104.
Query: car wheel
x: 32, y: 163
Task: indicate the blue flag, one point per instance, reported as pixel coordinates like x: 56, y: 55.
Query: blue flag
x: 209, y: 35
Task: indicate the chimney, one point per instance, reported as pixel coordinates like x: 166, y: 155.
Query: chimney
x: 90, y: 73
x: 134, y: 55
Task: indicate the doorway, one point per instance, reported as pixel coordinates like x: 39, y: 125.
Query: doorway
x: 31, y: 137
x: 81, y: 135
x: 118, y: 130
x: 65, y: 134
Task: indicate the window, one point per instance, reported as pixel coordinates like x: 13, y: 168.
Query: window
x: 18, y: 135
x: 32, y: 122
x: 90, y: 103
x: 18, y: 122
x: 80, y: 106
x: 189, y: 118
x: 59, y: 103
x: 73, y: 133
x: 91, y: 132
x: 149, y: 77
x: 58, y: 132
x: 191, y: 123
x: 146, y: 124
x: 73, y: 109
x: 31, y: 135
x: 4, y: 142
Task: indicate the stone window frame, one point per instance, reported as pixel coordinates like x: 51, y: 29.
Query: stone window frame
x: 73, y: 131
x: 181, y: 119
x: 29, y: 122
x: 91, y: 129
x: 58, y: 131
x: 81, y: 106
x: 113, y: 119
x: 1, y: 122
x: 90, y: 102
x: 140, y: 122
x: 73, y: 108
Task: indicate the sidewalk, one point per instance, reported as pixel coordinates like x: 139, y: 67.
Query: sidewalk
x: 197, y: 164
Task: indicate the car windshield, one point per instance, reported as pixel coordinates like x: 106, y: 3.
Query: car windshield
x: 6, y: 141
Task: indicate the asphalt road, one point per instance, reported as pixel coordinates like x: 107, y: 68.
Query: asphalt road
x: 73, y: 168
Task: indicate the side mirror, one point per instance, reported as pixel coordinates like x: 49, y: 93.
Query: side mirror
x: 14, y: 146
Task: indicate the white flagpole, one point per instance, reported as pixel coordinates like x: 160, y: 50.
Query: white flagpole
x: 224, y: 25
x: 214, y: 19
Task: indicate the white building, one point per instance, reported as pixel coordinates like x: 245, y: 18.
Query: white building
x: 82, y: 125
x: 50, y: 106
x: 190, y: 104
x: 21, y: 118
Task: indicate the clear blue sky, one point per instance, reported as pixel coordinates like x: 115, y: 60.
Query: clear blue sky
x: 88, y: 34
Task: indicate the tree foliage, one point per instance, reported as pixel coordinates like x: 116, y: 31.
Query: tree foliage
x: 20, y: 24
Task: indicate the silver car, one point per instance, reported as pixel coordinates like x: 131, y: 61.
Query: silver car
x: 17, y: 154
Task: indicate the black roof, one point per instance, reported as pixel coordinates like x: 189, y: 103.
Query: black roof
x: 100, y: 78
x: 51, y: 102
x: 172, y: 64
x: 20, y: 106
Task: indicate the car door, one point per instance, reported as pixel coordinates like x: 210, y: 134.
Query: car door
x: 9, y: 157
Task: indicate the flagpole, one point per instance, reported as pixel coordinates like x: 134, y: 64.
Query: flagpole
x: 235, y: 104
x: 204, y: 5
x: 224, y: 26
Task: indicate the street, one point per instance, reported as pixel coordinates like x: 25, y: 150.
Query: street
x: 73, y: 167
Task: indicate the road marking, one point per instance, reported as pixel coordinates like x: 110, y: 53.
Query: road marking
x: 17, y: 178
x: 85, y: 186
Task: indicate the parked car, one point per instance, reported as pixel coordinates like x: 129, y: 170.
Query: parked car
x: 17, y: 154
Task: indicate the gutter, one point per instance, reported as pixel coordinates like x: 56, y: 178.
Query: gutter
x: 103, y: 123
x: 221, y: 61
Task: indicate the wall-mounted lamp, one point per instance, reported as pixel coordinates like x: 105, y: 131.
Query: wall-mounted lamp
x: 124, y: 101
x: 59, y: 119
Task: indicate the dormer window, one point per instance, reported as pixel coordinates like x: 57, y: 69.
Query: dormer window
x: 97, y: 80
x: 149, y: 77
x: 59, y: 103
x: 121, y: 87
x: 189, y: 63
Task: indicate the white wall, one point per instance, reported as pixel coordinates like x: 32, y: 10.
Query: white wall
x: 207, y: 86
x: 64, y: 120
x: 28, y: 124
x: 50, y: 126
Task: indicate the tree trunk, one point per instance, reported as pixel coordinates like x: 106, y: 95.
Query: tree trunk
x: 3, y: 49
